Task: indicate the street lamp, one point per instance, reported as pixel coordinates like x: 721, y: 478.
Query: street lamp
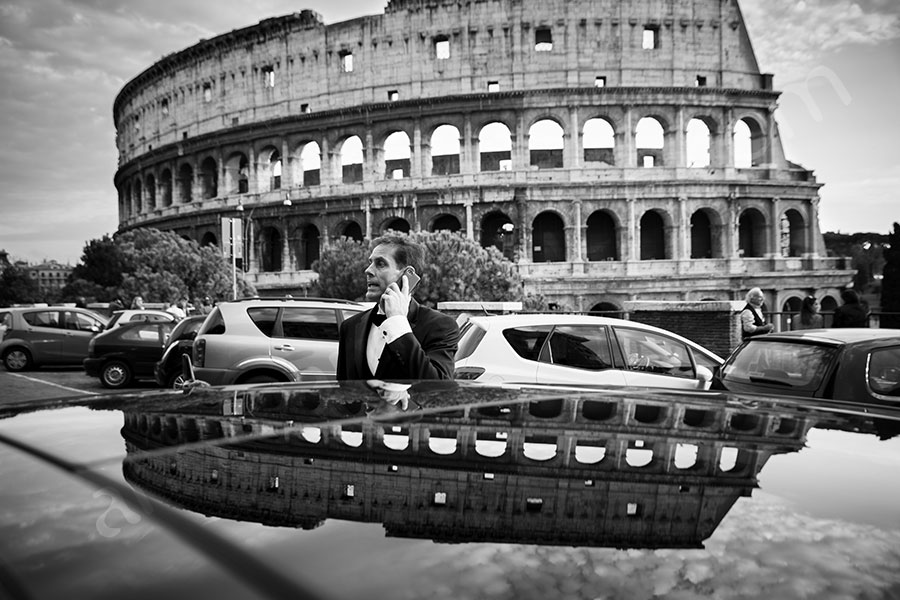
x: 240, y: 234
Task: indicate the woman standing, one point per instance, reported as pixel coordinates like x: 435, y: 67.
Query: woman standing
x: 809, y: 315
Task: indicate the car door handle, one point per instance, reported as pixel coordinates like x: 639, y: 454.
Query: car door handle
x: 286, y: 348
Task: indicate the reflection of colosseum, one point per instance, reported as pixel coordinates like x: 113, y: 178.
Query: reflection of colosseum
x: 581, y: 471
x: 614, y: 149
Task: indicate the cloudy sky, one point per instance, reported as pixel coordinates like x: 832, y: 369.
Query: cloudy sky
x: 62, y: 62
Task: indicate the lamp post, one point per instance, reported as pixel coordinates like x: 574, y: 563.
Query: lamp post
x: 243, y: 234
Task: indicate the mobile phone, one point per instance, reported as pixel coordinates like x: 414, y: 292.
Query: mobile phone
x: 411, y: 276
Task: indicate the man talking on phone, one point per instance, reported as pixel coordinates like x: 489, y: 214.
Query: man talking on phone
x: 398, y: 338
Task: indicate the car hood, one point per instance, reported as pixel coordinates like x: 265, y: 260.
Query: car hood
x: 447, y: 490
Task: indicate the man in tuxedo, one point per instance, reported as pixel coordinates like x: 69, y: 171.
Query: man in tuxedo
x: 398, y: 338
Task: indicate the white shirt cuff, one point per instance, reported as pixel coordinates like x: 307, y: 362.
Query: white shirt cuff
x: 394, y: 327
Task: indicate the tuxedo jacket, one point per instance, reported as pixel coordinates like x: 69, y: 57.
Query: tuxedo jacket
x: 426, y: 353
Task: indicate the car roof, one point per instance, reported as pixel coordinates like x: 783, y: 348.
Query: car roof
x: 287, y: 300
x: 836, y: 336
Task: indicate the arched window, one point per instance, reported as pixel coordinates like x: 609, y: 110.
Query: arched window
x: 237, y: 172
x: 602, y: 243
x: 793, y: 238
x: 185, y: 183
x: 445, y: 150
x: 136, y: 198
x: 649, y: 139
x: 396, y: 156
x: 446, y: 223
x: 497, y: 230
x: 353, y: 231
x: 165, y: 183
x: 307, y: 247
x: 495, y: 147
x: 749, y: 144
x: 274, y: 170
x: 599, y: 141
x: 701, y: 235
x: 209, y: 178
x: 311, y: 164
x: 545, y: 145
x: 352, y: 160
x: 653, y: 236
x: 697, y: 141
x: 548, y: 238
x: 270, y: 247
x: 752, y: 234
x: 209, y: 239
x: 151, y: 192
x: 398, y: 224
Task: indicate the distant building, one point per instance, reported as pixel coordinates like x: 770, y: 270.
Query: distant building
x: 617, y: 151
x: 50, y: 276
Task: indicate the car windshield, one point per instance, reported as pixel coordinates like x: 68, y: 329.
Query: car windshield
x: 791, y: 365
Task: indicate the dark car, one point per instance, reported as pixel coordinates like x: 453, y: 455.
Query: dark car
x: 168, y: 369
x: 126, y: 353
x: 857, y: 365
x: 448, y: 490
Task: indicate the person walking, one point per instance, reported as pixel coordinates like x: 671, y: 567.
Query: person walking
x: 398, y: 338
x: 809, y: 315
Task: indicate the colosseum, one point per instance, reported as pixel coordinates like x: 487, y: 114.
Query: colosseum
x: 615, y: 150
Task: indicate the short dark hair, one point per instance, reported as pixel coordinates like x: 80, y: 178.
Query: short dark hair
x: 406, y: 252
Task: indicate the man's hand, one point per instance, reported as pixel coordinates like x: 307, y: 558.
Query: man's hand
x: 395, y: 299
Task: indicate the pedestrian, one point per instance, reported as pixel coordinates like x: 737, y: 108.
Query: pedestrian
x: 852, y: 313
x: 116, y: 304
x: 398, y: 338
x: 80, y: 302
x: 205, y: 305
x: 753, y: 321
x: 809, y: 315
x: 137, y: 303
x: 176, y: 310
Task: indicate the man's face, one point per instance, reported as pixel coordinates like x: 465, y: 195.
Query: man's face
x: 756, y: 299
x: 382, y: 271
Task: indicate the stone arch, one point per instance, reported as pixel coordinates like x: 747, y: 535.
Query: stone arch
x: 546, y: 144
x: 599, y: 141
x: 649, y: 141
x: 749, y: 143
x: 151, y: 192
x: 706, y: 234
x: 396, y: 224
x: 397, y: 155
x: 209, y: 178
x: 602, y: 236
x: 654, y: 241
x: 351, y: 153
x: 697, y: 144
x: 306, y: 250
x: 606, y: 308
x: 751, y: 233
x: 125, y: 199
x: 165, y: 183
x: 792, y: 240
x: 445, y: 148
x: 136, y: 197
x: 495, y: 147
x: 445, y: 222
x: 827, y: 306
x: 310, y: 164
x: 498, y: 230
x: 209, y: 239
x: 269, y: 168
x: 185, y: 183
x: 790, y: 310
x: 237, y: 174
x: 548, y: 238
x: 271, y: 244
x: 350, y: 229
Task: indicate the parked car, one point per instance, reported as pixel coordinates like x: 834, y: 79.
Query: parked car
x: 120, y: 317
x: 346, y: 490
x: 270, y: 339
x: 48, y: 335
x: 127, y: 353
x: 580, y: 349
x: 857, y: 365
x: 168, y: 371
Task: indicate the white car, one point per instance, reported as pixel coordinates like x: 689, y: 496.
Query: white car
x: 133, y: 315
x: 582, y: 350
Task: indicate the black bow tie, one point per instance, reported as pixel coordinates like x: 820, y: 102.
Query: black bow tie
x: 378, y: 319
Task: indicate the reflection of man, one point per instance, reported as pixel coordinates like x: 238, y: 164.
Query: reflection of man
x: 398, y: 338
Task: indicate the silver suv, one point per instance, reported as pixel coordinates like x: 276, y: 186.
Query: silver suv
x: 270, y: 339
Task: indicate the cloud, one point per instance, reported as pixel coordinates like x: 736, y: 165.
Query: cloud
x: 790, y: 37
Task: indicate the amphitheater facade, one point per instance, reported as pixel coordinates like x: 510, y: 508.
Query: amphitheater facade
x: 616, y: 150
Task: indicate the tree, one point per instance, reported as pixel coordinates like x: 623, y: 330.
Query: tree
x: 455, y: 268
x: 890, y: 285
x: 16, y: 287
x: 158, y: 265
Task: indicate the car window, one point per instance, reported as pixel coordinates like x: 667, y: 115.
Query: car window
x: 44, y: 318
x: 527, y: 341
x: 470, y: 336
x: 655, y: 353
x: 141, y: 333
x: 214, y: 323
x: 113, y: 320
x: 309, y: 323
x: 264, y: 319
x: 81, y: 322
x: 784, y: 364
x: 884, y: 371
x: 578, y: 346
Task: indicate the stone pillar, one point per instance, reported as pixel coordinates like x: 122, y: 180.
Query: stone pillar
x: 326, y: 164
x: 577, y: 252
x: 630, y: 158
x: 416, y: 156
x: 728, y: 139
x: 573, y: 157
x: 367, y: 209
x: 287, y: 166
x: 470, y: 226
x: 774, y: 249
x: 679, y: 154
x: 632, y: 251
x: 468, y: 149
x: 252, y: 180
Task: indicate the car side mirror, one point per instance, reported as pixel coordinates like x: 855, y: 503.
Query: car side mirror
x: 704, y: 376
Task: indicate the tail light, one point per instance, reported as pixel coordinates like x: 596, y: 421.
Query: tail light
x: 198, y: 352
x: 469, y: 373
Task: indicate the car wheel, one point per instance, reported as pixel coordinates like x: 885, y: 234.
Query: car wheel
x: 176, y: 380
x: 17, y: 359
x: 116, y: 374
